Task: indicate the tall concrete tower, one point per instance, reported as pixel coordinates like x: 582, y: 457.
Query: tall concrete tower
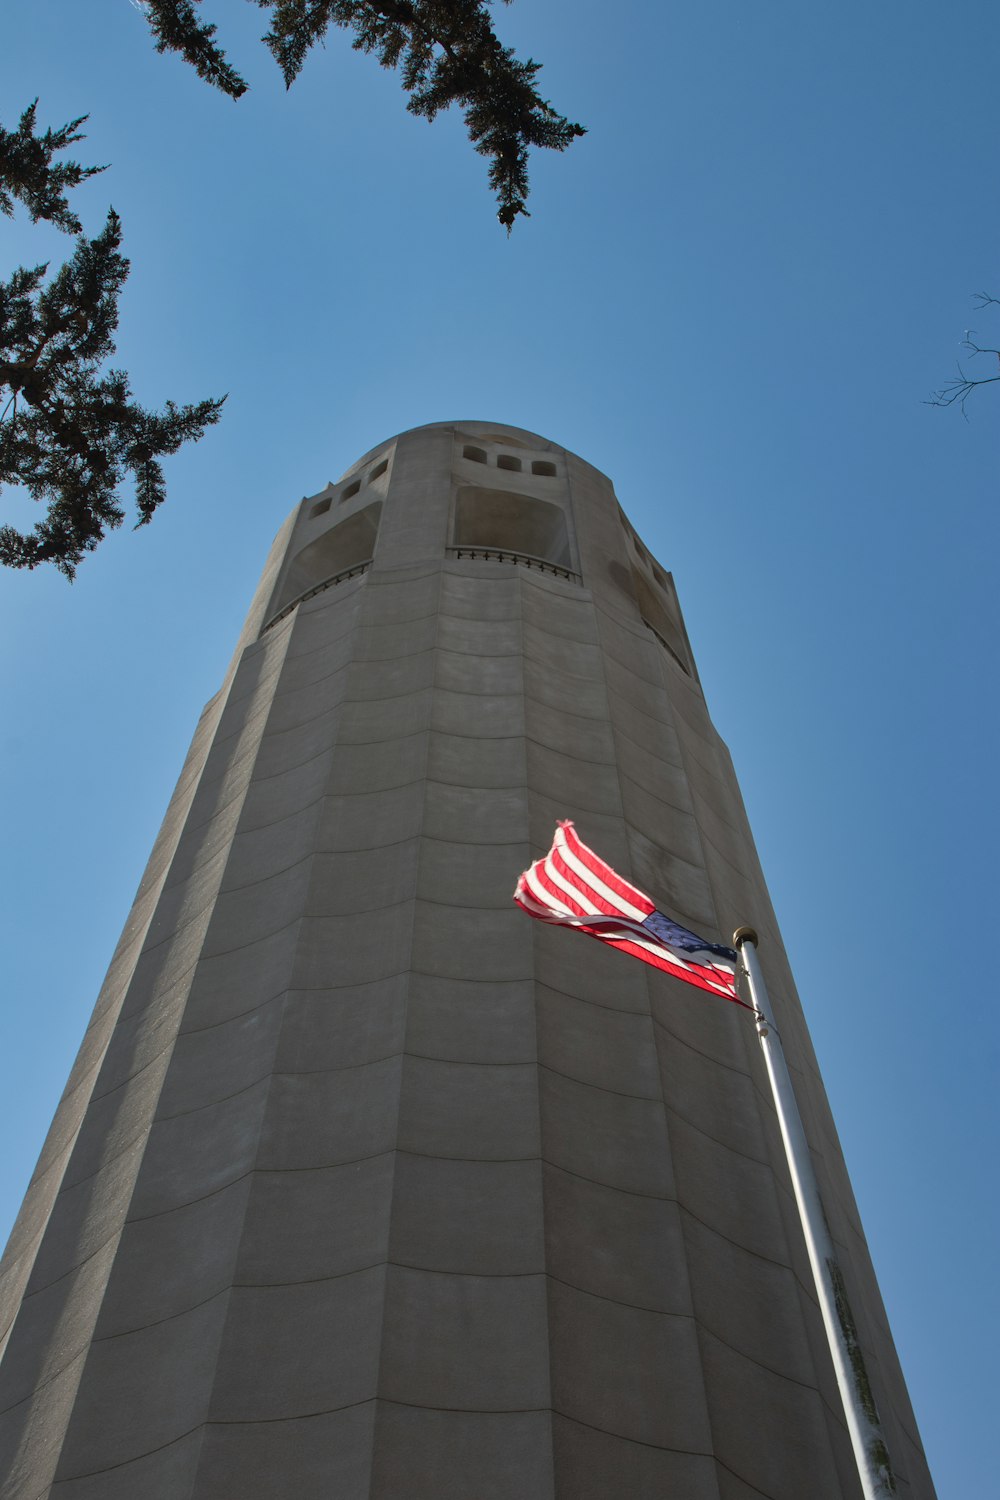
x: 366, y: 1187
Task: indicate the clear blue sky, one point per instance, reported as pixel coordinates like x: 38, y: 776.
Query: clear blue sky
x: 733, y: 296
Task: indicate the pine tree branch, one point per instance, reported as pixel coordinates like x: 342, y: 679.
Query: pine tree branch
x: 175, y: 25
x: 28, y: 173
x: 78, y: 434
x: 447, y: 53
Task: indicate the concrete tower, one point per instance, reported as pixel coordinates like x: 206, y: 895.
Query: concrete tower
x: 366, y: 1187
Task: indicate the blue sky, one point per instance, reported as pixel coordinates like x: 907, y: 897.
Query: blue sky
x: 734, y: 296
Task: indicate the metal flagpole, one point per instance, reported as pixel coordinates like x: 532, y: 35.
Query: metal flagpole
x: 860, y: 1410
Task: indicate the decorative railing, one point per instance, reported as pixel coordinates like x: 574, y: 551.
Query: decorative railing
x: 485, y: 554
x: 317, y: 588
x: 522, y: 559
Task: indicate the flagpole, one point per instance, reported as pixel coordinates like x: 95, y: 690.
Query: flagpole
x: 870, y: 1451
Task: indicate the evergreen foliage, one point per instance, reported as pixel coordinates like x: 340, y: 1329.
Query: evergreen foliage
x: 446, y: 51
x: 176, y: 27
x: 70, y: 432
x: 28, y: 172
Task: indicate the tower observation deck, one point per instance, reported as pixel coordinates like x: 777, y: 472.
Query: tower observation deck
x: 366, y: 1187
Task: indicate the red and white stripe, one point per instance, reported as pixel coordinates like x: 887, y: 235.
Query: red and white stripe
x: 573, y: 887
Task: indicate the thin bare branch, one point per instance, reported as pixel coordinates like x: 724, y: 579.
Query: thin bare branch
x: 957, y: 391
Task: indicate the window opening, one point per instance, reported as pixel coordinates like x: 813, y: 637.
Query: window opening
x: 523, y: 524
x: 656, y: 614
x: 347, y: 545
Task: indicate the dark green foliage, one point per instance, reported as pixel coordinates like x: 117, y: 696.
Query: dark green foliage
x: 176, y: 27
x: 446, y: 51
x: 69, y: 432
x: 27, y: 171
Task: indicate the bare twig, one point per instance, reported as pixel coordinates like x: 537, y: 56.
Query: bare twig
x: 957, y: 391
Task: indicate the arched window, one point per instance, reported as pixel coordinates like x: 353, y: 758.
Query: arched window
x: 654, y: 609
x: 514, y: 523
x: 337, y: 551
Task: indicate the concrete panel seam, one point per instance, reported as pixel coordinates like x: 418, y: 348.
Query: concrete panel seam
x: 601, y: 1087
x: 310, y: 759
x: 784, y: 1265
x: 764, y: 1494
x: 137, y: 1458
x: 742, y: 1072
x: 684, y: 812
x: 327, y: 645
x: 182, y: 1312
x: 740, y: 874
x: 758, y: 1161
x: 482, y: 1411
x: 546, y: 1162
x: 254, y: 942
x: 249, y: 885
x: 189, y: 1202
x: 586, y: 1291
x: 624, y: 1438
x: 194, y: 828
x: 123, y: 1150
x: 563, y: 713
x: 463, y: 1062
x: 633, y: 708
x: 39, y: 1291
x: 228, y: 1020
x: 131, y: 1077
x: 499, y: 906
x: 615, y: 1010
x: 42, y: 1385
x: 456, y: 734
x: 197, y: 1109
x: 369, y: 1062
x: 804, y: 1385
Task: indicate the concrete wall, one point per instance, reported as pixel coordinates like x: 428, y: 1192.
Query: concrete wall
x: 370, y: 1187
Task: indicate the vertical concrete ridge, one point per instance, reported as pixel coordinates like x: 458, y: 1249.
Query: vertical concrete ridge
x: 536, y: 849
x: 221, y: 1215
x: 373, y: 1478
x: 95, y: 1181
x: 674, y: 1444
x: 149, y: 1019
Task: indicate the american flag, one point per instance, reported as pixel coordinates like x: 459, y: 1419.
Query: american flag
x: 573, y: 887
